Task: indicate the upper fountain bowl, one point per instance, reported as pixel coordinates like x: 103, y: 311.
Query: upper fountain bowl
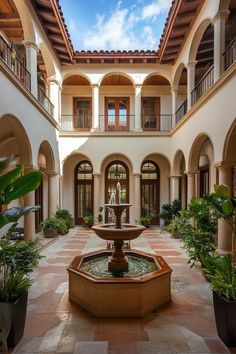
x: 127, y: 232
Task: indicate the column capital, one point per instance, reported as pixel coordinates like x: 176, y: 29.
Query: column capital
x: 97, y: 174
x: 52, y: 173
x: 53, y: 81
x: 137, y: 174
x: 94, y: 85
x: 221, y: 15
x: 191, y: 173
x: 191, y: 64
x: 175, y: 177
x: 174, y: 89
x: 223, y: 165
x: 30, y: 44
x: 29, y: 168
x: 139, y: 86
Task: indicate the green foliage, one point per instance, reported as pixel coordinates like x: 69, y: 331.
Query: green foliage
x: 88, y: 221
x: 222, y: 274
x: 13, y: 285
x: 198, y: 244
x: 201, y: 210
x: 55, y: 224
x: 65, y: 215
x: 18, y: 258
x: 145, y: 220
x: 178, y: 226
x: 169, y: 211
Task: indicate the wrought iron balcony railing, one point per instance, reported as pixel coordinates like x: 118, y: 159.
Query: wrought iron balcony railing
x: 203, y: 85
x: 230, y: 54
x: 10, y: 57
x: 45, y: 101
x: 181, y: 111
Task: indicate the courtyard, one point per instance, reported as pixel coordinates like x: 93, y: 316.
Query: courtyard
x: 54, y: 325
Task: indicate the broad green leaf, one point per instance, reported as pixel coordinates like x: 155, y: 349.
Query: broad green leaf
x: 3, y: 220
x: 13, y: 214
x: 9, y: 177
x: 227, y: 207
x: 222, y: 191
x: 23, y: 185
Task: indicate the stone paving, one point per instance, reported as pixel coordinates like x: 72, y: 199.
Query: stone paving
x: 53, y: 325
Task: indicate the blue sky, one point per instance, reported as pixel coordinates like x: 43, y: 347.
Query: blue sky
x: 115, y: 24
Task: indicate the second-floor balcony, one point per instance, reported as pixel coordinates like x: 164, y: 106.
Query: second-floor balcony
x: 122, y: 123
x: 45, y: 102
x: 203, y: 85
x: 9, y: 56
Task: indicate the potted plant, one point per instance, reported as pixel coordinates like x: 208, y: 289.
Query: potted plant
x: 88, y: 221
x: 50, y: 227
x: 16, y: 258
x: 145, y: 220
x: 221, y: 271
x: 65, y: 215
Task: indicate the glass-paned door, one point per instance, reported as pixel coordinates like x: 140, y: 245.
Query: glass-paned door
x: 82, y: 113
x: 116, y: 172
x: 117, y: 113
x: 83, y: 191
x: 204, y: 181
x: 151, y: 113
x: 150, y: 191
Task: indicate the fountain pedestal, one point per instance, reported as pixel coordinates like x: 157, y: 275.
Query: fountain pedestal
x: 118, y: 261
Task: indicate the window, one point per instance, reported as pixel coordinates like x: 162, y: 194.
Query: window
x: 151, y: 113
x: 82, y: 113
x: 83, y: 191
x: 117, y: 113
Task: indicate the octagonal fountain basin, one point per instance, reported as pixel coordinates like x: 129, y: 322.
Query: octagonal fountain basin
x: 127, y: 232
x: 132, y: 293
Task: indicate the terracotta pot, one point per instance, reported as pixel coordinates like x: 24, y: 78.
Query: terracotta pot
x: 50, y: 233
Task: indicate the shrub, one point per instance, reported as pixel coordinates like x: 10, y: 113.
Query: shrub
x: 55, y: 224
x: 88, y: 221
x: 65, y: 215
x: 145, y: 220
x: 169, y: 211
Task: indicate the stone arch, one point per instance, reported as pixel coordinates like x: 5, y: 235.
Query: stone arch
x: 12, y: 133
x: 178, y: 158
x: 116, y: 156
x: 67, y: 75
x: 26, y: 21
x: 230, y: 144
x: 177, y: 75
x: 46, y: 150
x: 121, y: 73
x: 161, y: 74
x: 195, y: 151
x: 197, y: 39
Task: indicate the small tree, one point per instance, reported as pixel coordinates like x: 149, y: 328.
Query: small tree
x: 224, y: 204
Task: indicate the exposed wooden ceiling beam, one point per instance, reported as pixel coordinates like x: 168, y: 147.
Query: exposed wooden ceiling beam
x: 4, y: 27
x: 8, y: 17
x: 186, y: 15
x: 202, y: 60
x: 52, y: 28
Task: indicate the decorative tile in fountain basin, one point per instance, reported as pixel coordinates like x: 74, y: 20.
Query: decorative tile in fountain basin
x: 119, y: 296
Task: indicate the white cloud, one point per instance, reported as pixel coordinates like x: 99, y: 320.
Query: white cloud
x: 118, y: 32
x: 155, y: 8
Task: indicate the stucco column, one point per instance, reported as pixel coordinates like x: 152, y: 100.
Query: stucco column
x: 224, y: 229
x: 54, y: 88
x: 96, y: 195
x: 219, y: 42
x: 31, y: 50
x: 137, y: 197
x: 190, y: 81
x: 53, y: 193
x: 95, y: 104
x: 29, y: 219
x: 191, y: 186
x: 137, y: 111
x: 174, y: 95
x: 174, y: 187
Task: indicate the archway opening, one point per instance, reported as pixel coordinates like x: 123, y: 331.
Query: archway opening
x: 156, y: 100
x: 76, y: 104
x: 117, y: 171
x: 150, y: 191
x: 117, y: 113
x: 229, y: 157
x: 83, y: 191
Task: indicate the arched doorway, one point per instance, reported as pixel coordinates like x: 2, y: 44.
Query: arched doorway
x: 150, y: 191
x: 117, y: 171
x: 83, y: 191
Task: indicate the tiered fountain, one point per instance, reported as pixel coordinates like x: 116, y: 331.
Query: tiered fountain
x: 118, y: 284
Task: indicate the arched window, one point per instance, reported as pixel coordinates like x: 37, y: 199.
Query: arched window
x: 83, y: 191
x: 150, y: 191
x: 117, y: 171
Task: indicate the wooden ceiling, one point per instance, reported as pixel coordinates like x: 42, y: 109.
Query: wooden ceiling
x: 156, y: 80
x: 116, y: 80
x: 179, y: 21
x: 10, y: 21
x: 76, y: 80
x: 51, y: 17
